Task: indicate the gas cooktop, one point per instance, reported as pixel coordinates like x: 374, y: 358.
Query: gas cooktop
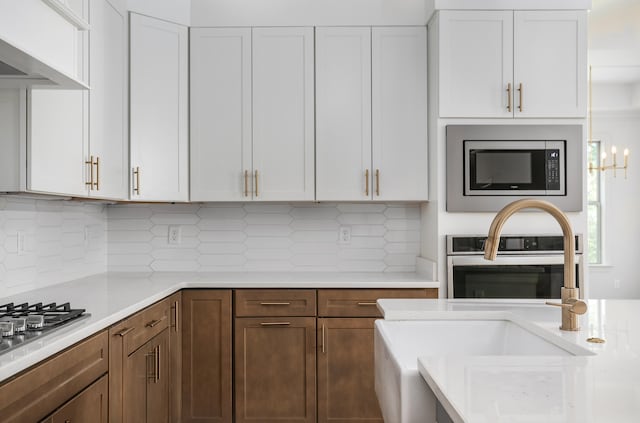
x: 23, y: 323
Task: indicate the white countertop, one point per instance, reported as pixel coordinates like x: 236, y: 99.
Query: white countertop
x: 604, y: 387
x: 110, y: 297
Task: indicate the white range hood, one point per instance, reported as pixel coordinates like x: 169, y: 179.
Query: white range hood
x: 40, y: 43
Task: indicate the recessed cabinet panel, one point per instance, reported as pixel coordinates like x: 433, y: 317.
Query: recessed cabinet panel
x: 550, y: 63
x: 221, y: 168
x: 399, y: 98
x: 343, y: 114
x: 283, y: 114
x: 476, y: 63
x: 159, y: 110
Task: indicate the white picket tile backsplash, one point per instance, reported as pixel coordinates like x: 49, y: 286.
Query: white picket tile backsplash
x: 63, y: 240
x: 263, y: 237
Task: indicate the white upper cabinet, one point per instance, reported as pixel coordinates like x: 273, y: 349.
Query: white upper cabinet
x: 108, y: 138
x: 371, y: 93
x: 283, y: 114
x: 221, y: 168
x: 476, y: 63
x: 158, y: 110
x: 399, y: 113
x: 497, y: 64
x: 550, y: 63
x: 343, y: 114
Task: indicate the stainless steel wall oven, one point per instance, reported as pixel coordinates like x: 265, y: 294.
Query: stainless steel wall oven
x: 528, y: 266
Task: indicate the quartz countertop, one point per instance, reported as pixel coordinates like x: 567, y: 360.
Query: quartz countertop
x: 112, y: 296
x: 598, y: 388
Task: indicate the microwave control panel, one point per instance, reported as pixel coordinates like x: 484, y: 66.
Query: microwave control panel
x: 553, y: 169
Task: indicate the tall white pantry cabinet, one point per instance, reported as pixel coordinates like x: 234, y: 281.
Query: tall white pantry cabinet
x: 371, y: 96
x: 252, y: 114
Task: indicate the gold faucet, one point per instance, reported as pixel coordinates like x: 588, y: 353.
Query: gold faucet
x: 571, y: 305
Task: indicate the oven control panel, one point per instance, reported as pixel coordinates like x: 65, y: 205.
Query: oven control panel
x: 510, y: 244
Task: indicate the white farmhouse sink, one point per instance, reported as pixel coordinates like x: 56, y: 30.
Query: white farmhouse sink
x: 403, y: 394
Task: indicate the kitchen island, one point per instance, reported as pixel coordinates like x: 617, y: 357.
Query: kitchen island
x: 598, y: 384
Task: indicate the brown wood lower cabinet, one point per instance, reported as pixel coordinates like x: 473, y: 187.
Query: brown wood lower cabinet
x: 206, y: 356
x: 89, y: 405
x: 346, y: 371
x: 275, y: 369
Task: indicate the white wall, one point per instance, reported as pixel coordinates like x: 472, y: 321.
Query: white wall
x: 55, y: 246
x: 621, y: 224
x: 264, y: 237
x: 307, y: 12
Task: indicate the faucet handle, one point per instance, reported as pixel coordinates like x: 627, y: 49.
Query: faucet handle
x: 573, y: 305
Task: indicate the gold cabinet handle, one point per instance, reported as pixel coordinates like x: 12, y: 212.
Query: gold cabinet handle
x: 573, y: 305
x: 510, y: 102
x: 323, y: 339
x: 366, y: 182
x: 246, y: 183
x: 154, y: 322
x: 520, y: 89
x: 275, y: 304
x: 275, y: 324
x: 136, y: 176
x: 90, y: 163
x: 97, y: 182
x: 157, y: 363
x: 151, y: 364
x: 378, y: 182
x: 175, y: 316
x: 124, y: 332
x: 366, y: 304
x: 256, y: 177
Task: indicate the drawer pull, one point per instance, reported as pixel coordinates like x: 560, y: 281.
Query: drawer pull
x: 155, y: 322
x: 124, y: 332
x: 275, y: 304
x: 275, y: 324
x: 367, y: 304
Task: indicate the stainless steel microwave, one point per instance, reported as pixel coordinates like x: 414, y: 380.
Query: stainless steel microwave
x: 489, y: 166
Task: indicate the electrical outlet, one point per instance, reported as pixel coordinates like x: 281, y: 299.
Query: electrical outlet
x: 175, y: 235
x: 21, y: 246
x: 344, y: 235
x: 616, y: 283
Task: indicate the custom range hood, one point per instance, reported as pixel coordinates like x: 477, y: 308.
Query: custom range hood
x: 41, y: 44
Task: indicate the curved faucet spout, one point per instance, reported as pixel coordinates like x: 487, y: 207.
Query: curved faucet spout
x: 493, y: 240
x: 569, y: 292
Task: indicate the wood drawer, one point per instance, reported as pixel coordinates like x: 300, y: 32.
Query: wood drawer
x: 362, y: 302
x: 88, y: 406
x: 34, y: 394
x: 275, y: 302
x: 138, y: 329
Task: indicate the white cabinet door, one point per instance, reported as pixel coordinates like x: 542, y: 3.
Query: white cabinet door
x: 476, y: 63
x: 399, y: 98
x: 108, y: 139
x: 550, y: 63
x: 283, y: 113
x: 221, y: 167
x: 158, y: 109
x: 343, y: 114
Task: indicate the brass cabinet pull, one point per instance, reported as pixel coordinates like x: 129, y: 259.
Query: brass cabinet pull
x: 510, y: 103
x: 275, y: 324
x: 90, y: 163
x: 157, y: 363
x: 151, y: 371
x: 275, y: 304
x: 366, y: 182
x: 175, y: 315
x: 154, y: 322
x: 520, y: 89
x: 124, y: 332
x: 378, y: 182
x: 366, y: 304
x: 246, y: 183
x: 323, y: 339
x: 97, y: 182
x: 136, y: 176
x: 256, y: 176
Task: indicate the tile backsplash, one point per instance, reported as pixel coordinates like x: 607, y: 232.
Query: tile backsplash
x: 263, y: 237
x: 43, y: 242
